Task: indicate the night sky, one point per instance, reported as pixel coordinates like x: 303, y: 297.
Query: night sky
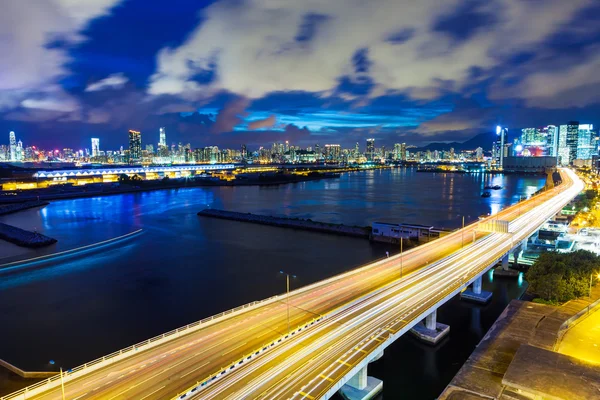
x: 229, y: 72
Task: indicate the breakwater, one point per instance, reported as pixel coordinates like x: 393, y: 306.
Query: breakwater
x: 15, y: 207
x: 294, y: 223
x: 24, y: 238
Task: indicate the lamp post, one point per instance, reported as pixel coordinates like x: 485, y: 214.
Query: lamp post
x: 287, y: 297
x: 62, y: 382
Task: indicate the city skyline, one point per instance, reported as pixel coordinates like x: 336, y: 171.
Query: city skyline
x: 314, y: 73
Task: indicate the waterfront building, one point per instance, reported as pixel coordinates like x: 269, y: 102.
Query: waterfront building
x: 135, y: 146
x: 95, y: 147
x: 479, y: 154
x: 332, y: 152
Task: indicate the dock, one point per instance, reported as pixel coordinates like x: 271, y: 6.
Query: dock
x: 294, y: 223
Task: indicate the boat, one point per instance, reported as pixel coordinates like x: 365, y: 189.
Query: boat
x: 497, y: 187
x: 488, y: 187
x: 486, y: 194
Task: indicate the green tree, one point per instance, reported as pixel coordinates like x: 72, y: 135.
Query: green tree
x: 562, y: 277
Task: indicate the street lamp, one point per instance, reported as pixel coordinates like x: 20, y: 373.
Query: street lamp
x: 287, y: 298
x: 62, y: 382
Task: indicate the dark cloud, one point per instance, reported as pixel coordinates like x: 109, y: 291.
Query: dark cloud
x: 465, y: 21
x: 309, y: 26
x: 361, y: 61
x: 401, y: 36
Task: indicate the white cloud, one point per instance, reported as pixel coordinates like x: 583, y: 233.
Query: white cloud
x: 114, y: 81
x: 27, y: 28
x: 252, y: 44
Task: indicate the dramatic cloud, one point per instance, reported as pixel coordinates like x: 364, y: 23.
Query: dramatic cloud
x: 34, y: 38
x: 402, y: 45
x: 114, y: 81
x: 230, y: 116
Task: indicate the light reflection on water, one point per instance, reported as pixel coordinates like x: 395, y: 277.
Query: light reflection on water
x: 185, y: 268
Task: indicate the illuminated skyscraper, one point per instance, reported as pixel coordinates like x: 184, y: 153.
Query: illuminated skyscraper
x: 572, y: 139
x: 585, y: 142
x: 563, y: 149
x: 135, y: 146
x: 500, y: 147
x: 370, y: 153
x: 95, y: 147
x: 12, y: 146
x: 162, y: 141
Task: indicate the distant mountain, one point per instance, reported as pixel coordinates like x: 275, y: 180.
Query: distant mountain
x: 483, y: 140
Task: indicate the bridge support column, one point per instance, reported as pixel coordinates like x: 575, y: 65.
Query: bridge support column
x: 524, y: 244
x: 516, y: 254
x: 475, y: 294
x: 429, y: 330
x: 505, y: 262
x: 361, y: 386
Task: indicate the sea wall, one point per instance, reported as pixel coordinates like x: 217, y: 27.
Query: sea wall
x: 15, y: 207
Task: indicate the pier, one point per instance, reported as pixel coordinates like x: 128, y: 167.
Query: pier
x: 284, y: 222
x: 16, y: 207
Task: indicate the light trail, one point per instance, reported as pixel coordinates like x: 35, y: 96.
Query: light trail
x: 363, y: 311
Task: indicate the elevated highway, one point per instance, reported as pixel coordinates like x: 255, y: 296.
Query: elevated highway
x: 337, y: 326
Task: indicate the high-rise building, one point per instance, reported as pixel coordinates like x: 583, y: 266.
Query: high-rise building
x: 332, y: 152
x: 135, y: 146
x: 403, y: 152
x: 479, y: 154
x: 563, y: 149
x: 370, y: 153
x: 585, y: 143
x: 12, y: 146
x: 244, y: 152
x: 552, y: 140
x: 572, y: 139
x: 95, y: 147
x: 500, y: 147
x: 162, y: 141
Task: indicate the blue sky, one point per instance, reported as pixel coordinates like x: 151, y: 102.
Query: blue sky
x: 228, y: 72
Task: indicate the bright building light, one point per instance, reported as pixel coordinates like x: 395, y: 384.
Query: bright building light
x: 498, y: 129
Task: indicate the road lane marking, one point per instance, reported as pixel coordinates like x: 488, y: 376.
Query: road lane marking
x: 326, y: 377
x: 195, y: 369
x: 161, y: 388
x: 307, y: 395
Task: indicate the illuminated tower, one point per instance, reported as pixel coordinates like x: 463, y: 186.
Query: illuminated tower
x: 500, y: 148
x: 13, y: 146
x: 162, y: 142
x: 95, y: 147
x: 135, y: 146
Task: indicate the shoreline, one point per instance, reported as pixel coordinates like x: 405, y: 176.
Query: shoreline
x: 154, y: 185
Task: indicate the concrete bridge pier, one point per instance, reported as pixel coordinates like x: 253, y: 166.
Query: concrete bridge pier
x: 516, y: 254
x: 505, y: 262
x: 429, y: 330
x: 475, y: 294
x: 361, y: 386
